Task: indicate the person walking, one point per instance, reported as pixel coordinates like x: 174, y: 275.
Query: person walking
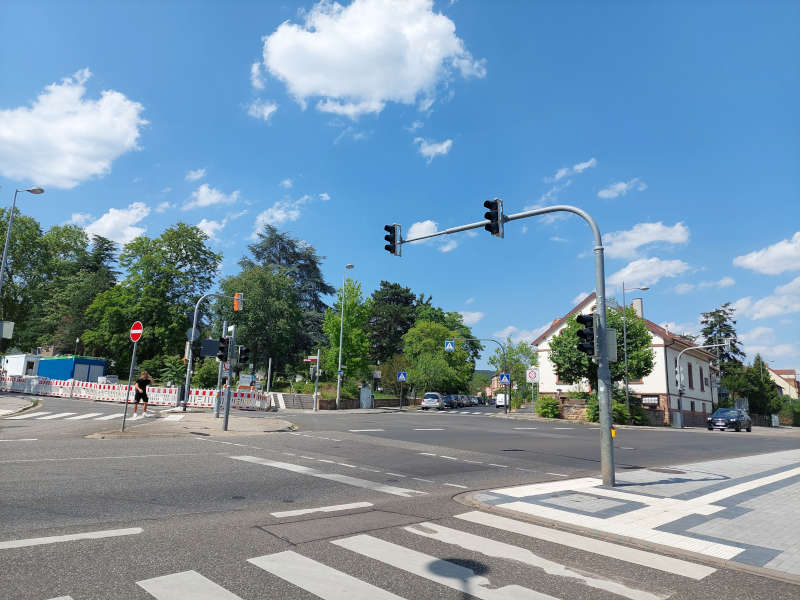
x: 140, y: 394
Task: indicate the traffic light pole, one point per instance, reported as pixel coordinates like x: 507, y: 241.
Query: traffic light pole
x: 219, y: 376
x: 603, y: 371
x: 229, y: 391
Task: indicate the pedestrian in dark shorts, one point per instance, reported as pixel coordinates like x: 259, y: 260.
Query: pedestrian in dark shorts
x: 140, y: 394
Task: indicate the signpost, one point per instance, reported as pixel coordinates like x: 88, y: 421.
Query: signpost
x: 136, y: 335
x: 532, y: 377
x: 505, y: 379
x: 402, y: 377
x: 449, y: 346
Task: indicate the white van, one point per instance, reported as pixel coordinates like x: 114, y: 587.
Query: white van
x: 500, y: 400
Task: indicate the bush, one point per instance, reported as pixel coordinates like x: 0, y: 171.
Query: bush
x: 593, y: 410
x: 205, y: 377
x: 548, y: 407
x: 620, y: 413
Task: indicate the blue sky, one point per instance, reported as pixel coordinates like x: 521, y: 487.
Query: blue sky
x: 674, y: 124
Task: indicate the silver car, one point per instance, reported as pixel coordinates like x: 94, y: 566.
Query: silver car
x: 432, y: 400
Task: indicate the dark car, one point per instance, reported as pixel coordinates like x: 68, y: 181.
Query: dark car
x: 735, y: 418
x: 449, y: 401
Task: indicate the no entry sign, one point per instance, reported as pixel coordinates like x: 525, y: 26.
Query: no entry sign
x: 136, y: 331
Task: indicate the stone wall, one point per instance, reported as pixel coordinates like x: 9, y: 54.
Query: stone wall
x: 573, y: 411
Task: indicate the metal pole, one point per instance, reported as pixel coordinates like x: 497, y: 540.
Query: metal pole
x: 269, y: 374
x: 341, y: 335
x: 5, y: 248
x: 316, y: 383
x: 231, y: 350
x: 128, y: 392
x: 625, y: 348
x: 188, y: 383
x: 219, y: 376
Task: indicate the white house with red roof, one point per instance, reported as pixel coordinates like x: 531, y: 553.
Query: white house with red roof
x: 658, y: 391
x: 786, y: 381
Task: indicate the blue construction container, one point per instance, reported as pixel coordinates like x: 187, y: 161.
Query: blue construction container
x: 79, y: 368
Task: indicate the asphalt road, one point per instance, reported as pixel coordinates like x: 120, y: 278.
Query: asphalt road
x: 189, y: 516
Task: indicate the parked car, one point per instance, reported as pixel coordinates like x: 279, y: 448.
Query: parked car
x: 432, y: 400
x: 734, y: 418
x: 474, y: 400
x: 500, y: 401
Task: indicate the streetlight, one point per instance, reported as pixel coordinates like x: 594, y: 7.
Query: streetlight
x: 643, y: 288
x: 341, y: 335
x: 761, y: 367
x: 77, y: 339
x: 33, y: 190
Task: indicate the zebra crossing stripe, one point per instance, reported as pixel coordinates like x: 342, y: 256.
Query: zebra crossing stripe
x: 62, y: 598
x: 443, y: 572
x: 55, y: 416
x: 496, y: 549
x: 188, y: 585
x: 84, y: 416
x: 109, y: 417
x: 319, y: 579
x: 29, y: 415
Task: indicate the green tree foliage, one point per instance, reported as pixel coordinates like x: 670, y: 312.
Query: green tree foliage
x: 478, y: 383
x: 355, y: 341
x: 548, y: 407
x: 430, y: 367
x: 719, y: 325
x: 389, y: 370
x: 754, y: 383
x: 518, y: 358
x: 425, y: 311
x: 172, y: 370
x: 392, y: 315
x: 205, y: 376
x: 573, y: 366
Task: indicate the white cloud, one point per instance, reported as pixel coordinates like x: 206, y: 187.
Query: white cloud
x: 431, y: 150
x: 448, y: 246
x: 422, y: 228
x: 195, y: 174
x: 283, y: 211
x: 260, y: 109
x: 63, y: 138
x: 415, y: 125
x: 471, y: 318
x: 256, y: 76
x: 579, y: 298
x: 524, y: 229
x: 79, y: 219
x: 783, y: 301
x: 164, y: 206
x: 211, y: 228
x: 547, y: 199
x: 119, y: 224
x: 166, y: 190
x: 520, y: 335
x: 626, y: 244
x: 682, y: 328
x: 325, y: 196
x: 205, y: 195
x: 621, y: 188
x: 358, y: 57
x: 469, y: 301
x: 774, y: 259
x: 761, y: 340
x: 287, y: 183
x: 555, y: 238
x: 648, y: 271
x: 575, y: 169
x: 757, y: 335
x: 685, y: 288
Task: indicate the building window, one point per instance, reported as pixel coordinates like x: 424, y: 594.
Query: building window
x: 702, y: 386
x: 691, y: 377
x: 692, y: 405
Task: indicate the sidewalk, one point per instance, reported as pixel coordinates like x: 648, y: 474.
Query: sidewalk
x: 13, y: 404
x: 743, y: 510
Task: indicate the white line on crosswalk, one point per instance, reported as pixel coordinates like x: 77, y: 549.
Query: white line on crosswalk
x: 334, y: 508
x: 173, y: 417
x: 587, y: 544
x: 88, y: 535
x: 435, y: 569
x: 524, y: 428
x: 346, y: 479
x: 428, y: 429
x: 109, y: 417
x: 55, y: 416
x: 319, y: 579
x: 62, y: 598
x: 496, y: 549
x: 84, y: 416
x: 29, y: 415
x: 188, y: 585
x: 455, y: 485
x: 362, y: 430
x: 21, y: 440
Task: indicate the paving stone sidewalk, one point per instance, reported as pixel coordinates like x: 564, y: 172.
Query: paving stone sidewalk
x: 744, y: 509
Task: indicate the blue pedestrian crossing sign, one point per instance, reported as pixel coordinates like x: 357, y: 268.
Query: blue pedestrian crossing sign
x: 402, y: 376
x: 449, y: 345
x: 505, y: 379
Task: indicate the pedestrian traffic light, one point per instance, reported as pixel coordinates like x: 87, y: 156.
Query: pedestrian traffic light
x: 222, y: 351
x: 394, y: 238
x: 244, y: 355
x: 587, y: 336
x: 238, y: 302
x: 495, y: 216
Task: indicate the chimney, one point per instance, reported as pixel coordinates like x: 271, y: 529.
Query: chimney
x: 637, y: 307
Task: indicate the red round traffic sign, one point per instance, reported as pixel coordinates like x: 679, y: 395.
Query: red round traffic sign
x: 136, y: 331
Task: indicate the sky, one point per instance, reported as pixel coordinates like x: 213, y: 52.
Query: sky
x: 674, y: 124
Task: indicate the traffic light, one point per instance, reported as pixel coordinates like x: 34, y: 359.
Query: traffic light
x: 394, y: 238
x: 222, y: 351
x: 495, y: 215
x: 587, y: 335
x: 238, y: 302
x: 244, y: 355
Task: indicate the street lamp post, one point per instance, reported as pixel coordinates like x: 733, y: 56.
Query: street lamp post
x: 33, y: 190
x: 643, y: 288
x: 77, y: 339
x: 341, y: 336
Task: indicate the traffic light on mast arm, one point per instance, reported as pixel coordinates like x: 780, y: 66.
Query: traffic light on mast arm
x: 222, y: 351
x: 394, y: 238
x: 587, y: 335
x: 495, y: 215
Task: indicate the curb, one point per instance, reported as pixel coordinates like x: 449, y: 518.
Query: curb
x: 132, y: 434
x: 31, y: 404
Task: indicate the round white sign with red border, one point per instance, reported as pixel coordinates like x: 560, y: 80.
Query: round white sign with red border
x: 532, y: 375
x: 136, y: 331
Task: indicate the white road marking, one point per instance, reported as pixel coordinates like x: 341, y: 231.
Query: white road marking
x: 308, y: 457
x: 434, y: 569
x: 524, y: 427
x: 188, y: 585
x: 55, y: 416
x: 173, y: 417
x: 556, y: 474
x: 426, y: 454
x: 62, y: 598
x: 563, y: 428
x: 54, y: 539
x: 448, y: 457
x: 29, y: 415
x: 347, y: 465
x: 501, y: 466
x: 84, y: 416
x: 421, y: 479
x: 395, y: 474
x: 306, y: 511
x: 125, y: 457
x: 346, y: 479
x: 496, y: 549
x: 362, y: 430
x: 428, y: 429
x: 587, y: 544
x: 455, y: 485
x: 319, y: 579
x: 109, y: 417
x: 474, y: 462
x: 22, y: 440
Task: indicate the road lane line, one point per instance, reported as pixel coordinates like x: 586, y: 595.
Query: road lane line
x: 443, y: 572
x: 307, y: 511
x: 524, y: 428
x: 563, y: 428
x: 109, y: 417
x: 474, y: 462
x: 448, y: 457
x: 455, y: 485
x: 426, y: 454
x: 319, y: 579
x: 345, y: 479
x: 395, y: 474
x: 125, y: 457
x: 501, y: 466
x: 54, y: 539
x: 556, y: 474
x: 421, y: 479
x: 29, y: 415
x: 634, y: 556
x: 55, y: 416
x: 347, y: 465
x: 496, y: 549
x: 363, y: 430
x: 84, y: 416
x: 308, y: 457
x: 428, y: 428
x: 22, y: 440
x: 188, y: 585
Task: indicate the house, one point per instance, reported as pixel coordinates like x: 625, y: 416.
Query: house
x: 658, y: 391
x: 786, y: 381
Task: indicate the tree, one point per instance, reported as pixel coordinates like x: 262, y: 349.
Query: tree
x: 389, y: 369
x: 720, y: 325
x: 431, y: 368
x: 391, y: 316
x: 205, y: 374
x: 518, y: 358
x: 573, y: 366
x: 754, y: 383
x: 425, y: 311
x: 355, y: 341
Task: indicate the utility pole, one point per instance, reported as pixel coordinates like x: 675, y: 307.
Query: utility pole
x: 316, y: 383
